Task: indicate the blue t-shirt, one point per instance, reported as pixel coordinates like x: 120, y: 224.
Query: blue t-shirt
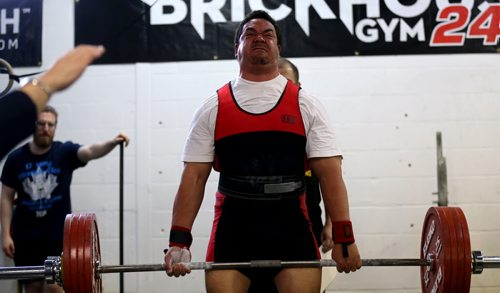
x: 42, y: 184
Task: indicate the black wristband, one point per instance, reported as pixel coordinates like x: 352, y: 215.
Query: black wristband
x: 180, y: 236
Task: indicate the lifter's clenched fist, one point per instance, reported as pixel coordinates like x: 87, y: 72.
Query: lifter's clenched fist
x: 176, y: 259
x: 348, y: 264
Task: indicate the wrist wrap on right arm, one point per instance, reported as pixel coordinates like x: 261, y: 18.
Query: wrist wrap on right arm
x: 342, y: 234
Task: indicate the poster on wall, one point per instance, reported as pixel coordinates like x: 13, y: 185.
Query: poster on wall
x: 177, y: 30
x: 21, y: 32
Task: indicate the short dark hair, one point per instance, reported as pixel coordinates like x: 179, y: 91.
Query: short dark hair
x: 253, y: 15
x: 50, y: 109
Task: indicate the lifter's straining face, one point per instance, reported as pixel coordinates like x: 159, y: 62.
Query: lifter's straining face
x: 258, y: 43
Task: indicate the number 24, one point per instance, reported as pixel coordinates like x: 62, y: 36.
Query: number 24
x: 454, y: 18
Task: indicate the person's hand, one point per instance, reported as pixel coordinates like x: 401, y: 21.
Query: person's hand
x: 326, y: 238
x: 8, y: 246
x: 62, y: 74
x: 176, y: 259
x: 122, y: 137
x: 69, y: 67
x: 346, y: 264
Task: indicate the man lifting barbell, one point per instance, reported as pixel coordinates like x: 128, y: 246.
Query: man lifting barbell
x: 261, y: 132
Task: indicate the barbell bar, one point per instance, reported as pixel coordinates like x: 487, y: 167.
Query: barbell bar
x: 446, y: 261
x: 262, y: 264
x: 51, y: 266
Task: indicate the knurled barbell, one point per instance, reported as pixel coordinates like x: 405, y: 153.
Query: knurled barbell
x: 446, y: 259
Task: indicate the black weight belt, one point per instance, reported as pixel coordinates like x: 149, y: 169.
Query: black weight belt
x: 262, y: 187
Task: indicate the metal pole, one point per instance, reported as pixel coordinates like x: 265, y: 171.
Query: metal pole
x: 121, y: 217
x: 442, y: 175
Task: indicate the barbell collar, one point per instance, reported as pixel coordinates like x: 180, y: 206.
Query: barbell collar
x: 53, y: 272
x: 477, y: 262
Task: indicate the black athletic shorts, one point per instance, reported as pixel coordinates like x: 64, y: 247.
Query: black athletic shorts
x: 246, y: 230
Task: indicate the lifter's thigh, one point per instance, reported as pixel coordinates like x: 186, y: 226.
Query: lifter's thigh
x: 299, y: 280
x: 223, y: 281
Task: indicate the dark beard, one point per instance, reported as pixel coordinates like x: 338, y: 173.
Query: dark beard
x: 43, y: 141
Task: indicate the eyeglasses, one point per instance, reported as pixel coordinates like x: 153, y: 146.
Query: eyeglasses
x: 43, y: 124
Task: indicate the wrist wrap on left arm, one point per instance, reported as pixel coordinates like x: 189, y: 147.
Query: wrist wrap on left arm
x: 342, y: 234
x: 180, y: 236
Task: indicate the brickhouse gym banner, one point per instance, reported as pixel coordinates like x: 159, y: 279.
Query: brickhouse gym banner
x: 21, y: 32
x: 177, y: 30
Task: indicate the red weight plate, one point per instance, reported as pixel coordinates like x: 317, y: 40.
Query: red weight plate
x: 80, y: 244
x: 74, y: 255
x: 458, y: 260
x: 67, y: 270
x: 86, y: 258
x: 83, y: 243
x: 97, y: 285
x: 92, y: 255
x: 84, y: 255
x: 436, y: 241
x: 466, y: 252
x: 87, y: 265
x: 448, y: 214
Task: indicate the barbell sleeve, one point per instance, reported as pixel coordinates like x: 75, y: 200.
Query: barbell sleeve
x: 26, y: 272
x: 491, y: 262
x: 480, y: 262
x: 51, y: 271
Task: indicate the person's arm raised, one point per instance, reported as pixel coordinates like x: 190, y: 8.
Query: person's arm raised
x: 62, y: 74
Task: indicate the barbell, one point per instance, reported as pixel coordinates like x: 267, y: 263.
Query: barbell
x: 446, y: 261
